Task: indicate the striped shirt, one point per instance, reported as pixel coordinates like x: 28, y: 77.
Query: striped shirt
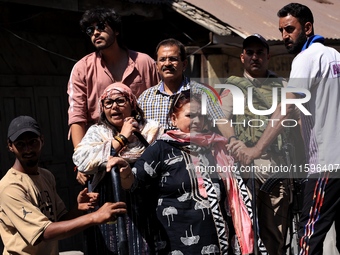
x: 156, y: 103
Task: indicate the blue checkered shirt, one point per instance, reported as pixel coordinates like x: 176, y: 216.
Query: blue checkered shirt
x: 156, y: 103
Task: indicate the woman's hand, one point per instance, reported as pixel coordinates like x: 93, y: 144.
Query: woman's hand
x: 82, y: 178
x: 130, y: 125
x: 87, y: 200
x: 126, y: 175
x: 121, y: 163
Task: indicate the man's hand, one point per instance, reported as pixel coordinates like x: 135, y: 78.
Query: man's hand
x: 87, y: 200
x: 247, y: 155
x: 108, y: 212
x: 234, y: 146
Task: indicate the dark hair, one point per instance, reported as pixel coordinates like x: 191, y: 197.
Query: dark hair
x: 299, y: 11
x: 172, y: 42
x: 137, y: 114
x: 180, y: 100
x: 103, y: 15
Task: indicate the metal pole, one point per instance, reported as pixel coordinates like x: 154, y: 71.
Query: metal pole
x: 121, y: 226
x: 253, y: 203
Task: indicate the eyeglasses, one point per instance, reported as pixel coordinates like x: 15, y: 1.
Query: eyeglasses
x: 120, y: 101
x: 171, y: 59
x: 100, y: 27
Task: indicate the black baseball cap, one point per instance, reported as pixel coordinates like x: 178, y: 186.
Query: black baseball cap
x: 20, y: 125
x: 255, y: 38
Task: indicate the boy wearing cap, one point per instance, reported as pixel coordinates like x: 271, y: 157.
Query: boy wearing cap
x: 32, y: 216
x: 272, y: 207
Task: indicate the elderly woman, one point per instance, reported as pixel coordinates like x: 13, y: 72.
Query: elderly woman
x: 121, y: 131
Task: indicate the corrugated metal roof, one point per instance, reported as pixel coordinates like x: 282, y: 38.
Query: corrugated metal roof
x: 245, y: 17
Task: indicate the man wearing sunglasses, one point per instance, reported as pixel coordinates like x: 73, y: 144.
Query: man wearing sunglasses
x: 111, y: 62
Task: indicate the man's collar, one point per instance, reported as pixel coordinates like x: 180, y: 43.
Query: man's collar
x: 184, y: 85
x: 258, y: 82
x: 313, y: 39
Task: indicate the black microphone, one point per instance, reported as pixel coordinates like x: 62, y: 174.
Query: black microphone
x: 141, y: 138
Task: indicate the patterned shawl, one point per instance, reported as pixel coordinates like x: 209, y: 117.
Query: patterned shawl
x: 241, y: 219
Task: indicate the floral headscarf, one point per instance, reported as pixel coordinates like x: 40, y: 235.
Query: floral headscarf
x: 119, y: 88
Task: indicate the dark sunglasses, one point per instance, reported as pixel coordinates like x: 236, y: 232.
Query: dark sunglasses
x: 100, y: 26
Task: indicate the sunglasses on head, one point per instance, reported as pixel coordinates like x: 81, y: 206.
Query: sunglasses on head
x: 183, y: 94
x: 100, y: 26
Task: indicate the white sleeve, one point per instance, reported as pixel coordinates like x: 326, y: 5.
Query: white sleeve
x: 93, y: 150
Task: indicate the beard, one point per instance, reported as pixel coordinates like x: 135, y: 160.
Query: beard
x: 296, y: 46
x: 29, y: 162
x: 107, y: 44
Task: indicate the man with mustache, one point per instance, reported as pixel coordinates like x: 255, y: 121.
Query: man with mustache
x: 316, y: 70
x: 33, y: 217
x: 171, y: 62
x: 111, y: 62
x: 273, y: 206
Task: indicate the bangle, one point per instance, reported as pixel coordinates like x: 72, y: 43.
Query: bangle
x: 233, y: 136
x: 120, y: 141
x: 126, y: 176
x: 124, y: 139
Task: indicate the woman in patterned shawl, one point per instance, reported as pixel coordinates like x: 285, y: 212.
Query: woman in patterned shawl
x: 121, y: 120
x: 199, y: 202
